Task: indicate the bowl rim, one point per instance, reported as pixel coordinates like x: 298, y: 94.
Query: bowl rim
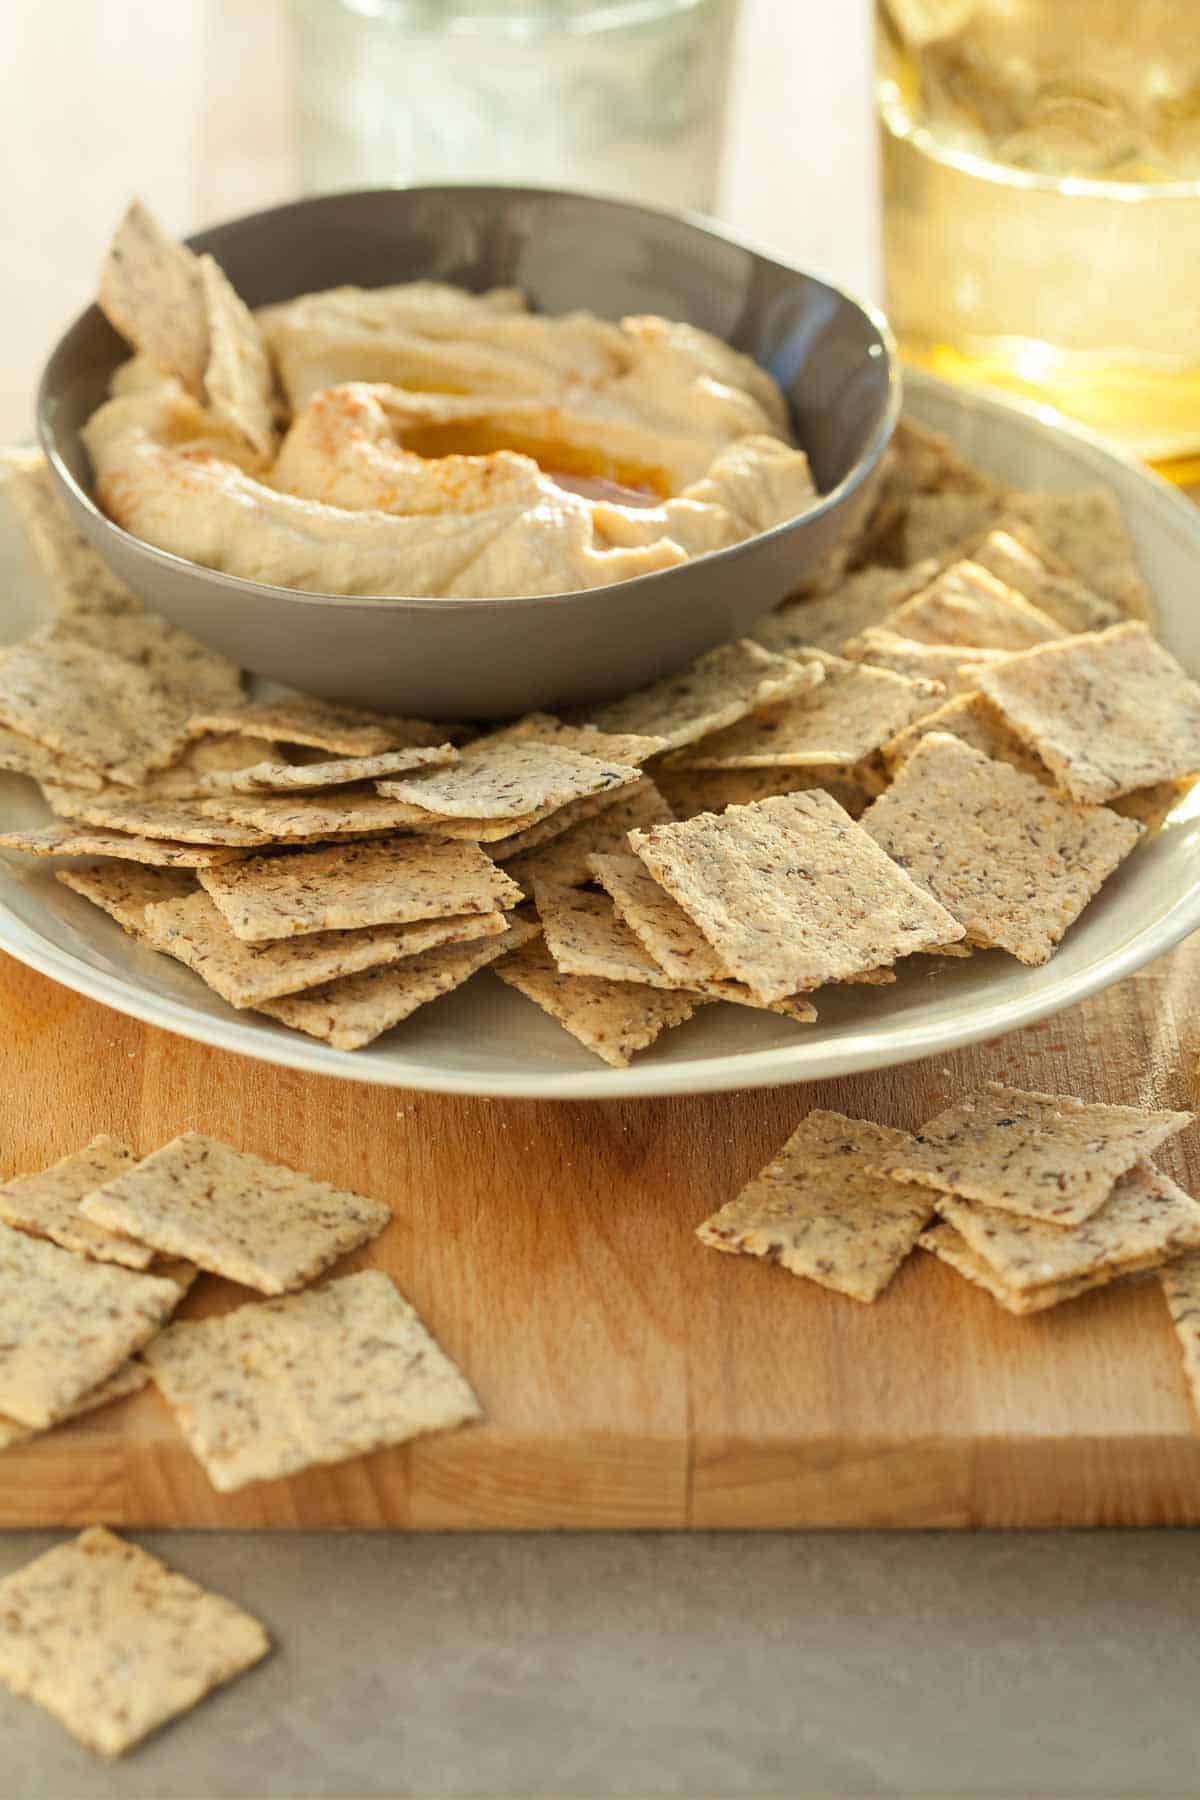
x: 172, y: 563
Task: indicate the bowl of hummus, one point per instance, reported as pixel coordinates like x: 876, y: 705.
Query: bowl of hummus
x: 464, y: 451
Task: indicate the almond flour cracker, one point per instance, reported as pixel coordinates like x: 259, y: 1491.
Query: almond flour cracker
x: 715, y: 690
x: 612, y: 1019
x: 47, y: 1204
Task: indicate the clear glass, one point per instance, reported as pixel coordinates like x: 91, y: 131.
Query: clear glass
x: 625, y: 97
x: 1041, y: 164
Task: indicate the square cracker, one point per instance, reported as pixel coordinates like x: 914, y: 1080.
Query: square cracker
x: 66, y: 1323
x: 354, y: 1011
x: 114, y: 1644
x: 129, y: 1379
x: 1107, y: 712
x: 1014, y: 862
x: 612, y: 1019
x: 691, y: 791
x: 1181, y: 1288
x: 258, y: 777
x: 84, y: 840
x: 1045, y: 1156
x: 611, y: 806
x: 21, y: 755
x: 950, y: 1247
x: 318, y: 1377
x: 331, y: 813
x: 47, y: 1204
x: 715, y: 690
x: 966, y: 604
x: 1145, y: 1215
x: 151, y: 292
x: 386, y: 881
x: 248, y: 975
x: 975, y: 721
x: 239, y: 382
x: 79, y: 579
x: 89, y: 705
x: 234, y: 1214
x: 1013, y: 554
x: 186, y: 672
x: 608, y: 746
x: 509, y: 778
x: 584, y: 936
x: 954, y: 665
x: 825, y: 622
x: 819, y: 1209
x: 564, y: 857
x: 1086, y: 530
x: 178, y: 821
x: 834, y: 725
x: 939, y: 524
x: 191, y: 775
x: 303, y: 719
x: 791, y: 893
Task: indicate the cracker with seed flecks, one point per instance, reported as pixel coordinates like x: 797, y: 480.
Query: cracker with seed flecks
x: 826, y: 621
x: 249, y: 975
x: 1107, y: 712
x: 612, y: 1019
x: 113, y: 1643
x: 47, y: 1204
x: 954, y: 665
x: 239, y: 382
x: 79, y: 579
x: 234, y: 1214
x: 543, y: 828
x: 191, y: 775
x: 715, y: 690
x: 1181, y: 1287
x: 67, y: 840
x: 950, y: 1247
x: 257, y: 776
x: 129, y: 1379
x: 509, y: 778
x: 966, y: 604
x: 1045, y: 1156
x: 330, y: 813
x: 564, y: 856
x: 152, y: 293
x: 791, y: 893
x: 178, y: 821
x: 939, y: 524
x: 1012, y: 861
x: 303, y: 719
x: 819, y: 1210
x: 1086, y: 531
x: 66, y: 1323
x: 1145, y: 1215
x: 20, y: 755
x: 385, y: 881
x: 927, y: 462
x: 317, y: 1377
x: 975, y: 721
x: 186, y: 672
x: 1013, y: 554
x: 690, y: 791
x: 88, y: 705
x: 352, y: 1012
x: 585, y: 937
x: 608, y: 746
x: 836, y: 724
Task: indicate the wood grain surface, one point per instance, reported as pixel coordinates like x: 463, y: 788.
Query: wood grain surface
x: 631, y: 1377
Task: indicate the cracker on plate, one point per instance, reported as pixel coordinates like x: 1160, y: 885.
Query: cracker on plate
x: 715, y: 690
x: 1086, y: 531
x: 826, y: 621
x: 282, y: 1385
x: 185, y: 672
x: 564, y: 857
x: 939, y: 524
x: 791, y: 893
x: 975, y: 721
x: 151, y: 292
x: 611, y: 806
x: 21, y: 755
x: 333, y: 812
x: 612, y: 1019
x: 83, y: 840
x: 820, y: 1210
x: 966, y: 604
x: 1107, y: 712
x: 954, y: 665
x: 47, y: 1204
x: 691, y: 791
x: 509, y: 778
x: 303, y: 719
x: 274, y: 777
x: 191, y: 774
x: 1013, y: 554
x: 585, y: 936
x: 114, y: 1644
x: 79, y: 579
x: 178, y: 821
x: 234, y: 1214
x: 950, y: 1247
x: 88, y: 705
x: 239, y: 382
x: 1045, y: 1156
x: 608, y: 746
x: 1181, y: 1287
x: 1012, y: 861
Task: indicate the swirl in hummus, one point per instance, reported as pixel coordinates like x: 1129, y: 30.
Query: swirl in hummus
x: 424, y: 441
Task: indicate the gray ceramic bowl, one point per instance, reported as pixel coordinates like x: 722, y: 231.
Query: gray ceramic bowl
x: 486, y: 658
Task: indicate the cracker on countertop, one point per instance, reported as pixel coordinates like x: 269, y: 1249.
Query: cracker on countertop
x: 509, y: 778
x: 791, y: 893
x: 151, y: 292
x: 950, y: 1247
x: 239, y: 381
x: 283, y: 1385
x: 1045, y: 1156
x: 564, y: 857
x: 820, y: 1210
x: 975, y: 721
x: 1181, y: 1289
x: 234, y: 1214
x: 826, y: 621
x: 303, y: 719
x: 114, y: 1643
x: 1014, y: 862
x: 1107, y: 712
x: 88, y: 705
x: 1086, y: 530
x: 612, y: 1019
x: 967, y: 604
x: 1012, y: 553
x: 385, y: 881
x: 275, y: 777
x: 715, y: 690
x: 178, y: 821
x: 82, y: 840
x: 47, y: 1204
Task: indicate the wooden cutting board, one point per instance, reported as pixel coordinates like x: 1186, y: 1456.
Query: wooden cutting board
x: 632, y: 1378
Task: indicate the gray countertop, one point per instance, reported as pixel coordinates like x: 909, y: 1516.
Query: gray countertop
x: 735, y: 1665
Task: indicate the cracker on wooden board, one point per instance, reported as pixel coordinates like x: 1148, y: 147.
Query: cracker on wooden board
x: 819, y: 1210
x: 1181, y: 1289
x: 320, y: 1376
x: 47, y: 1204
x: 950, y: 1247
x: 114, y: 1644
x: 67, y: 1323
x: 564, y: 857
x: 1014, y: 862
x: 975, y: 721
x: 234, y: 1214
x: 151, y: 292
x: 691, y: 791
x: 1086, y: 530
x: 1146, y: 1214
x: 1045, y: 1156
x: 509, y: 778
x: 178, y: 821
x: 791, y: 893
x: 88, y: 705
x: 83, y: 840
x: 249, y: 975
x: 303, y: 719
x: 954, y: 665
x: 21, y: 755
x: 826, y: 621
x: 608, y: 746
x: 612, y: 1019
x: 834, y: 725
x: 352, y: 1012
x: 385, y: 881
x: 275, y: 777
x: 967, y: 604
x: 78, y: 577
x: 129, y: 1379
x: 715, y: 690
x: 1012, y: 553
x: 239, y: 382
x: 1107, y: 712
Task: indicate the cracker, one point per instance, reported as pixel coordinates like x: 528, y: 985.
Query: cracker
x: 791, y: 893
x: 825, y: 622
x: 1086, y: 530
x: 66, y: 1323
x: 386, y: 881
x: 1013, y: 554
x: 951, y: 1248
x: 612, y: 1019
x: 1107, y: 712
x: 1181, y: 1288
x: 303, y: 719
x: 608, y: 746
x: 248, y: 975
x: 239, y: 382
x: 318, y: 1377
x: 966, y: 604
x: 21, y: 755
x: 186, y: 672
x: 955, y: 666
x: 334, y: 812
x: 937, y: 524
x: 354, y: 1011
x: 819, y: 1210
x: 612, y: 805
x: 691, y: 791
x: 585, y: 937
x: 151, y: 292
x: 564, y: 857
x: 88, y: 705
x: 1144, y: 1215
x: 47, y: 1204
x: 508, y: 778
x: 129, y: 1379
x: 836, y: 724
x: 975, y: 721
x: 285, y: 777
x: 235, y: 1215
x: 1012, y: 861
x: 191, y: 775
x: 715, y: 690
x: 178, y: 821
x: 928, y: 462
x: 1045, y: 1156
x: 114, y: 1644
x: 79, y: 579
x: 66, y: 840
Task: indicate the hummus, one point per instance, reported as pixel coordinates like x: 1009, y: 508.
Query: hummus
x: 444, y: 443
